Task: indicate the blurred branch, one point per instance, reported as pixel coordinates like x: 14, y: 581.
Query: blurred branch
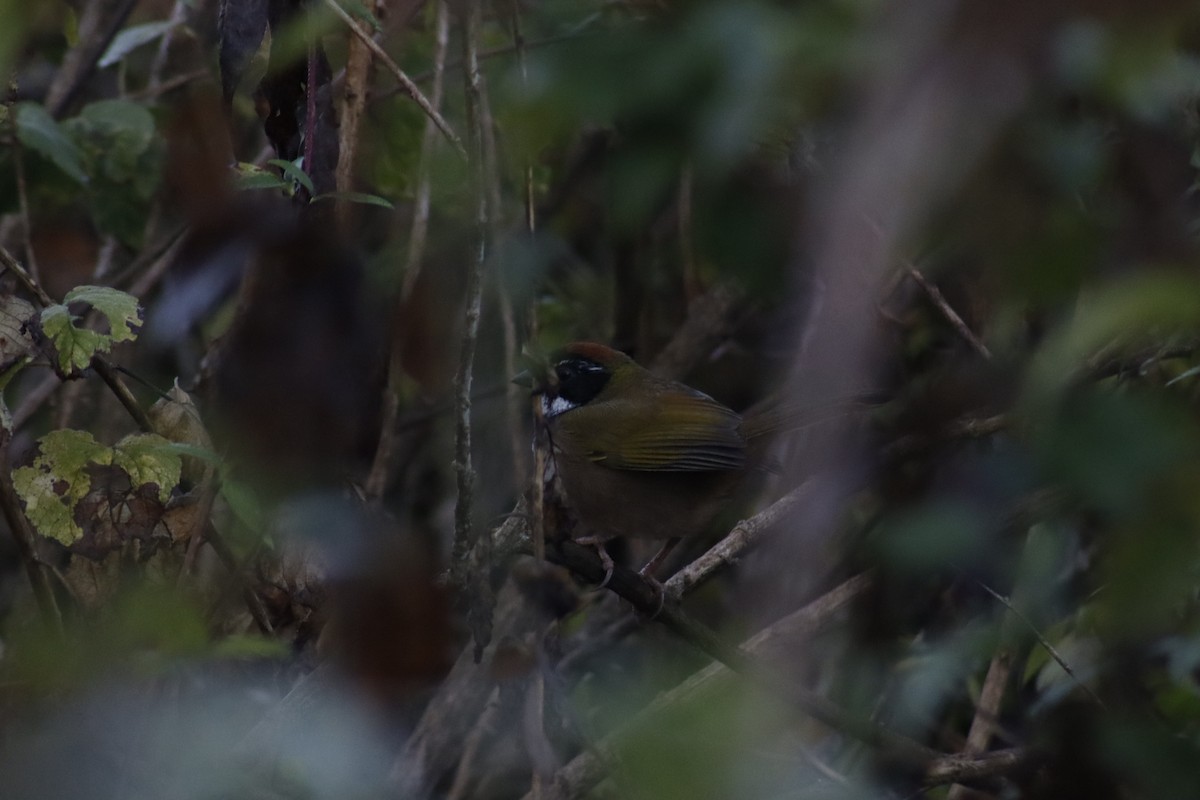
x: 23, y: 207
x: 712, y: 318
x: 354, y: 101
x: 588, y: 768
x: 939, y: 301
x: 732, y: 545
x: 472, y: 555
x: 952, y: 316
x: 483, y: 729
x: 645, y: 598
x: 381, y: 466
x: 99, y: 22
x: 410, y: 88
x: 1058, y: 658
x: 24, y: 535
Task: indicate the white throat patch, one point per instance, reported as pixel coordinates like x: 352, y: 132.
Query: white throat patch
x: 559, y: 405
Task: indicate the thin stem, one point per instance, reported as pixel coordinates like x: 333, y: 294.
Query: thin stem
x: 25, y: 536
x: 409, y: 87
x: 381, y: 466
x: 464, y: 536
x: 23, y: 205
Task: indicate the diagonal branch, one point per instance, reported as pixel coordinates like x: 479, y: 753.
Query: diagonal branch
x: 406, y: 82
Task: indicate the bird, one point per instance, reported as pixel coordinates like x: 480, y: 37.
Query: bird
x: 639, y: 455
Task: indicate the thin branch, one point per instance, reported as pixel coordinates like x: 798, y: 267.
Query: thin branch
x: 23, y: 207
x: 1062, y: 662
x: 25, y: 536
x: 483, y: 729
x: 577, y: 777
x: 937, y: 298
x: 712, y: 318
x: 730, y: 548
x: 122, y: 392
x: 979, y: 735
x: 956, y: 322
x: 645, y: 598
x: 99, y: 22
x: 505, y: 50
x: 354, y: 102
x: 23, y: 277
x: 410, y: 88
x: 523, y: 68
x: 467, y: 546
x: 381, y: 466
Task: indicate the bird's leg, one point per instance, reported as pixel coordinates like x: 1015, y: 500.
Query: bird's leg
x: 605, y: 559
x: 654, y: 563
x: 652, y: 566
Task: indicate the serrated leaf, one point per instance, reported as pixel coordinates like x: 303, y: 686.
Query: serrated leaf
x: 38, y: 131
x: 122, y: 311
x: 293, y: 172
x: 356, y: 197
x: 76, y: 345
x: 132, y: 38
x: 62, y: 476
x: 149, y: 459
x: 57, y: 481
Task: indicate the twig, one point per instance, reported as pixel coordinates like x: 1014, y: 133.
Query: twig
x: 410, y: 88
x: 354, y: 101
x: 23, y: 206
x: 1062, y: 662
x: 589, y: 767
x: 381, y: 466
x: 959, y: 768
x: 99, y: 23
x: 483, y: 729
x: 465, y: 541
x: 645, y: 598
x: 742, y: 536
x: 504, y: 50
x: 711, y: 318
x: 939, y: 300
x: 25, y: 536
x: 979, y: 735
x: 23, y: 277
x: 152, y: 91
x: 519, y: 46
x: 122, y: 392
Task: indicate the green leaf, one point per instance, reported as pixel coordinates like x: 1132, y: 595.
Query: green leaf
x: 355, y: 197
x: 38, y: 131
x: 122, y: 311
x: 149, y: 458
x: 249, y: 177
x: 132, y: 38
x: 58, y: 480
x: 75, y: 345
x: 293, y: 171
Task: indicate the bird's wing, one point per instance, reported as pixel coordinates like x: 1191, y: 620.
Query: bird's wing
x: 676, y: 431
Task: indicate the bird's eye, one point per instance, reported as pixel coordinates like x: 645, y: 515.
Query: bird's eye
x: 579, y: 380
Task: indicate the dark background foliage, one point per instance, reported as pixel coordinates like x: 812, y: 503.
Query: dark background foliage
x: 960, y: 237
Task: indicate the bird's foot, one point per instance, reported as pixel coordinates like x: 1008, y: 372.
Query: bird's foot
x: 659, y: 590
x: 605, y: 558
